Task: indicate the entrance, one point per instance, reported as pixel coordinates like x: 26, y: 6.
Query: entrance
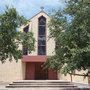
x: 35, y: 71
x: 40, y: 72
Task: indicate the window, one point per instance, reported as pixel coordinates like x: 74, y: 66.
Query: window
x: 42, y: 41
x: 42, y: 21
x: 41, y: 50
x: 42, y: 30
x: 26, y: 29
x: 42, y: 36
x: 25, y: 50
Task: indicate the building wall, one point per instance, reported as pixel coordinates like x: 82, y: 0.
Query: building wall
x: 11, y: 71
x: 74, y: 78
x: 16, y: 71
x: 33, y: 27
x: 50, y: 44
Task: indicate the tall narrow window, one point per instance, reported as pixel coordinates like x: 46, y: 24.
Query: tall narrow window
x: 42, y: 36
x: 25, y: 48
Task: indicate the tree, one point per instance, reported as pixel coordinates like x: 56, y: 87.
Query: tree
x: 11, y: 38
x: 72, y: 38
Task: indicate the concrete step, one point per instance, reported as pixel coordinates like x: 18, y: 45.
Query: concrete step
x: 28, y: 86
x: 41, y: 81
x: 41, y: 84
x: 44, y: 82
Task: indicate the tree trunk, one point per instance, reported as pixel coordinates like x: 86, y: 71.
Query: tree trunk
x: 89, y: 76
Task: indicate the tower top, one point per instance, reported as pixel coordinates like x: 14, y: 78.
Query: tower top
x: 42, y: 8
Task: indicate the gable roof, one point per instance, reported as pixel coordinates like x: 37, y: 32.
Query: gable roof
x: 39, y: 13
x: 34, y: 16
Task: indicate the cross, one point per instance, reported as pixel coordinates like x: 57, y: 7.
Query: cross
x: 42, y: 8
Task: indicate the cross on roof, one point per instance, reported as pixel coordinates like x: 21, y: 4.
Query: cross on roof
x: 42, y: 8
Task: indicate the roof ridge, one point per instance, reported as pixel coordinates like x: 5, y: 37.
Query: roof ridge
x: 38, y: 13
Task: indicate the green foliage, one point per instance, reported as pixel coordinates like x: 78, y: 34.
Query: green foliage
x: 72, y: 38
x: 10, y: 38
x: 27, y: 40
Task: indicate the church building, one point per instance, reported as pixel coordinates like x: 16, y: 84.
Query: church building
x: 30, y: 67
x: 44, y: 47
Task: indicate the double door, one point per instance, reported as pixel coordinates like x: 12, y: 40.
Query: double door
x: 40, y: 72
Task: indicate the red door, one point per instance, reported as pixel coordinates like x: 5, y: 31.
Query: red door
x: 52, y: 75
x: 40, y: 72
x: 30, y: 71
x: 35, y: 71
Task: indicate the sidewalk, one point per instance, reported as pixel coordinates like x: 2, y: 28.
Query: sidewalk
x: 3, y: 84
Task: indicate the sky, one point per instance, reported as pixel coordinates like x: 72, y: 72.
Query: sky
x: 28, y: 8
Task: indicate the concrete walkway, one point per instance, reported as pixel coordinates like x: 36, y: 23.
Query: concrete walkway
x: 3, y: 84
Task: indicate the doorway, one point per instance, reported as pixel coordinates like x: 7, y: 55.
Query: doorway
x: 40, y: 72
